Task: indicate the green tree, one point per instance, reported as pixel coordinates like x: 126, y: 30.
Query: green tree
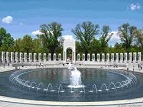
x: 85, y: 34
x: 6, y: 41
x: 27, y: 44
x: 37, y: 46
x: 95, y: 46
x: 118, y: 48
x: 105, y: 37
x: 139, y: 40
x: 127, y: 34
x: 18, y: 45
x: 78, y: 47
x: 2, y: 35
x: 51, y: 33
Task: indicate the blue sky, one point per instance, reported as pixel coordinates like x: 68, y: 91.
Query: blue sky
x: 21, y: 17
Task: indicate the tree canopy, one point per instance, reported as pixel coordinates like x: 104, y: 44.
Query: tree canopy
x: 50, y: 34
x: 87, y: 39
x: 105, y: 37
x: 139, y: 39
x: 6, y: 41
x: 127, y: 34
x: 85, y: 34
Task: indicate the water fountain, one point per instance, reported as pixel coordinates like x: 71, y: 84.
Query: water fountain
x: 71, y: 82
x: 75, y: 84
x: 75, y: 80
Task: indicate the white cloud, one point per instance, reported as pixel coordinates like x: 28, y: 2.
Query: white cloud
x: 115, y: 38
x: 37, y: 32
x: 135, y: 6
x: 115, y: 35
x: 68, y: 37
x: 7, y: 19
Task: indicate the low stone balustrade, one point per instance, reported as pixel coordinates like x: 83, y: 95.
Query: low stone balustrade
x: 92, y: 59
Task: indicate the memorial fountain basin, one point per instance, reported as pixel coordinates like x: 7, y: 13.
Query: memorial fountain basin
x: 54, y: 84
